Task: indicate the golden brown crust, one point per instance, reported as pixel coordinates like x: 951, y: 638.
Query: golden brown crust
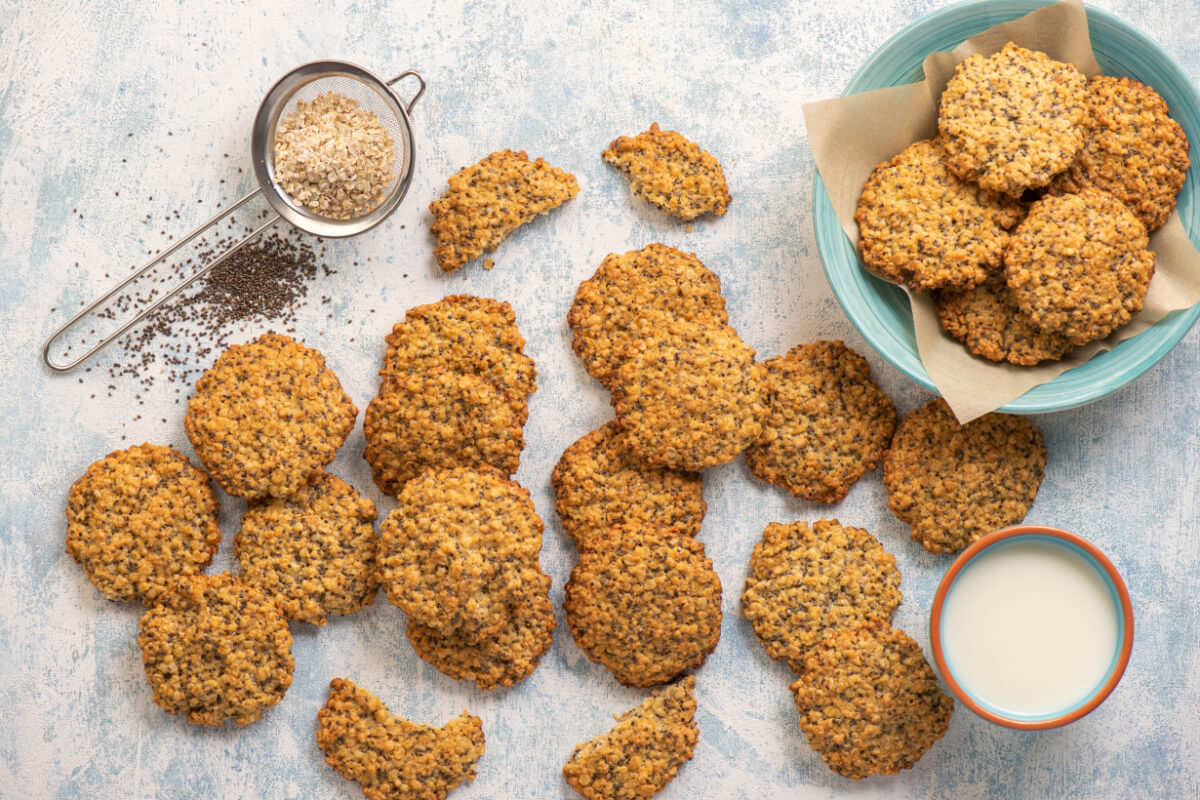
x: 390, y: 757
x: 268, y: 417
x: 140, y: 519
x: 827, y: 422
x: 666, y: 169
x: 485, y: 202
x: 988, y: 322
x: 642, y: 752
x: 314, y: 553
x: 217, y: 649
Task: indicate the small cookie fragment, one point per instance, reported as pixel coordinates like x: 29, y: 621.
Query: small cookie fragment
x: 827, y: 422
x: 390, y: 757
x: 485, y: 202
x: 267, y: 417
x: 1013, y: 120
x: 645, y: 603
x: 689, y: 396
x: 988, y: 322
x: 640, y: 755
x: 957, y: 483
x: 923, y: 226
x: 314, y: 553
x: 217, y: 649
x: 1133, y: 149
x: 869, y: 702
x: 598, y: 485
x: 625, y: 287
x: 1079, y: 265
x: 805, y: 581
x: 666, y: 169
x: 139, y: 519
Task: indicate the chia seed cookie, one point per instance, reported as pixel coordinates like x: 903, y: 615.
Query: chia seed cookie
x: 645, y: 603
x: 217, y: 649
x: 642, y: 752
x: 869, y: 703
x: 625, y: 287
x: 827, y: 422
x: 804, y: 582
x: 1079, y: 265
x: 598, y: 485
x: 390, y: 757
x: 689, y: 396
x: 957, y: 483
x: 452, y: 550
x: 1133, y: 150
x: 1013, y: 120
x: 267, y: 417
x: 988, y: 322
x: 314, y: 553
x: 140, y: 519
x: 667, y: 170
x: 923, y: 226
x: 441, y: 419
x: 485, y: 202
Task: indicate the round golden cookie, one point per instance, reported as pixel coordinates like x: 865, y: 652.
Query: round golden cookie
x: 389, y: 756
x: 645, y: 603
x: 140, y: 519
x: 689, y: 396
x: 1013, y: 120
x: 463, y: 333
x: 1079, y: 265
x: 654, y: 280
x: 869, y: 702
x: 217, y: 649
x: 313, y: 553
x: 671, y: 172
x: 598, y: 485
x: 505, y: 657
x: 1133, y: 149
x: 957, y: 483
x: 988, y: 322
x: 804, y: 582
x: 827, y: 422
x: 267, y: 417
x: 453, y: 549
x: 921, y: 225
x: 441, y: 418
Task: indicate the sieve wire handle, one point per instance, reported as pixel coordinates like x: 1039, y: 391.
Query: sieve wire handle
x: 158, y: 259
x: 413, y: 73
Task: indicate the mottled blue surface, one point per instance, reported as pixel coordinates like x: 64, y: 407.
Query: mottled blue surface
x: 558, y: 79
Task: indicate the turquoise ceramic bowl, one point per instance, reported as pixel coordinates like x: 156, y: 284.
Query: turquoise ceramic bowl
x: 881, y: 312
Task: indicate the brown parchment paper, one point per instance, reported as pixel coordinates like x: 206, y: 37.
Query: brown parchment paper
x: 851, y: 135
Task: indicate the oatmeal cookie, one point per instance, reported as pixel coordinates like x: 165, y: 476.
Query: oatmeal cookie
x: 630, y: 285
x: 689, y: 396
x: 827, y: 422
x: 1079, y: 265
x: 390, y: 757
x: 671, y: 172
x: 1013, y: 120
x: 313, y: 553
x: 988, y: 322
x: 140, y: 519
x: 957, y: 483
x: 804, y: 582
x: 485, y: 202
x: 598, y: 485
x: 441, y: 419
x: 1133, y: 150
x: 217, y: 649
x: 869, y: 702
x: 268, y: 417
x: 645, y: 603
x: 642, y: 752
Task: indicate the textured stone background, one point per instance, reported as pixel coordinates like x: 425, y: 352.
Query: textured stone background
x: 558, y: 79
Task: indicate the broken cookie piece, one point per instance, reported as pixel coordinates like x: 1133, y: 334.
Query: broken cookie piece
x: 673, y: 173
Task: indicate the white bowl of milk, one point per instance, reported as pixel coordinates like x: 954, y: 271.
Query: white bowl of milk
x: 1032, y: 627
